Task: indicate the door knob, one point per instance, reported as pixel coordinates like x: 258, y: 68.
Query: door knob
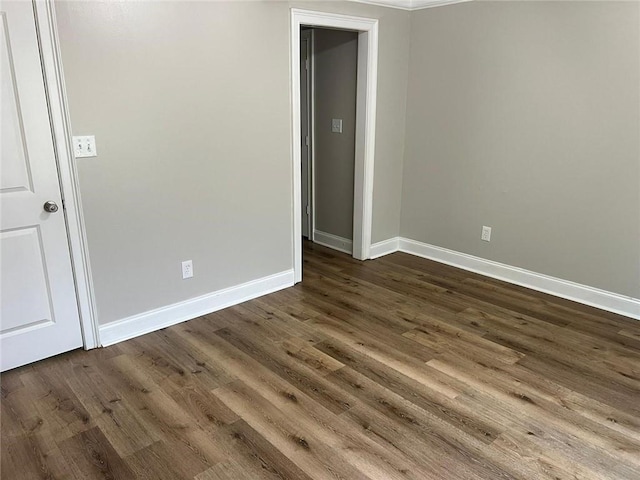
x: 51, y: 207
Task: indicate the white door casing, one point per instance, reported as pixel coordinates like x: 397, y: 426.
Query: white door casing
x: 367, y: 29
x: 39, y: 312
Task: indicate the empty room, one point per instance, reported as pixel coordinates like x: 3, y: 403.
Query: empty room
x: 377, y: 240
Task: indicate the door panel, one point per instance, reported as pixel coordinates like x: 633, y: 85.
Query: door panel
x: 305, y: 131
x: 23, y: 256
x: 39, y: 316
x: 15, y: 175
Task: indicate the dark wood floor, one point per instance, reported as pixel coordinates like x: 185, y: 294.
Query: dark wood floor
x: 398, y: 368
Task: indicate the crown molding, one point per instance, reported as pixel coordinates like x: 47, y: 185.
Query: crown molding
x: 410, y: 5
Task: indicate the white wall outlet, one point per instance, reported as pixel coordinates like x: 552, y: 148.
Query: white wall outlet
x: 336, y: 125
x: 84, y: 146
x: 486, y: 234
x: 187, y: 269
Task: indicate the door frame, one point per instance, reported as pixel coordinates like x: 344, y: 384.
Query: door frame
x: 47, y: 33
x: 367, y: 29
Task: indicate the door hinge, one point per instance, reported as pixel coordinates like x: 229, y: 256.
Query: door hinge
x: 306, y: 140
x: 308, y: 209
x: 306, y: 64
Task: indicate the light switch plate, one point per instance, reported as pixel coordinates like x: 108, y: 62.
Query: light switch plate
x: 336, y: 125
x: 84, y: 146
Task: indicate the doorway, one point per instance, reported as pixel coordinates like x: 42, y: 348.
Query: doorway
x: 367, y: 31
x: 328, y: 87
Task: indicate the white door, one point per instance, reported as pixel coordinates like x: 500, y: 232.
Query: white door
x: 305, y: 130
x: 39, y: 315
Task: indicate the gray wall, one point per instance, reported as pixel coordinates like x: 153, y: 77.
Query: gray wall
x: 524, y: 116
x: 190, y: 105
x: 336, y: 68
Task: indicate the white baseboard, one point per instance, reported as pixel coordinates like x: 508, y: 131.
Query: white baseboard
x: 333, y: 241
x: 595, y: 297
x: 384, y: 248
x: 153, y: 320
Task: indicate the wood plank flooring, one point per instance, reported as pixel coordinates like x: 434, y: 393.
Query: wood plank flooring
x: 398, y: 368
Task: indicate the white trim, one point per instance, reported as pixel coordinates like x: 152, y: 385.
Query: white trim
x: 422, y: 4
x: 365, y: 141
x: 397, y: 4
x: 333, y: 241
x: 365, y: 125
x: 153, y: 320
x: 296, y: 153
x: 385, y: 247
x: 595, y: 297
x: 58, y: 108
x: 410, y: 5
x: 609, y: 301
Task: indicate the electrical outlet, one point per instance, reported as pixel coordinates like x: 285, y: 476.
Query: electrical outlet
x: 187, y: 269
x: 336, y: 125
x: 486, y: 234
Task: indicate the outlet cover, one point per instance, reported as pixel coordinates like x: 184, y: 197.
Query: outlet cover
x: 336, y: 125
x: 486, y: 234
x: 187, y: 269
